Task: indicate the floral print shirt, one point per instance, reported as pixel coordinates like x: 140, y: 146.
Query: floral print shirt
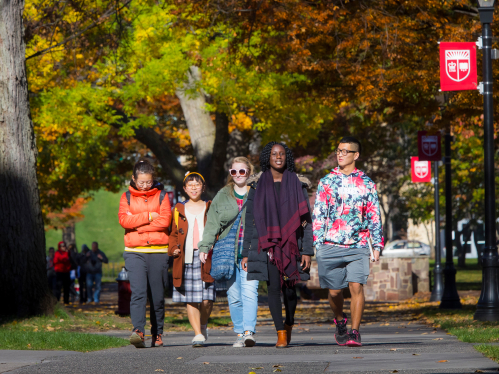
x: 346, y: 210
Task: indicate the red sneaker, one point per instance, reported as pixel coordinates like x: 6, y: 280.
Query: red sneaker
x: 157, y: 341
x: 137, y: 339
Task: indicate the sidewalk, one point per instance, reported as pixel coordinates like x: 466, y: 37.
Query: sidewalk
x: 399, y: 347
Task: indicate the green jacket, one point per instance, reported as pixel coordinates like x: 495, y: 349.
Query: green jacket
x: 223, y: 209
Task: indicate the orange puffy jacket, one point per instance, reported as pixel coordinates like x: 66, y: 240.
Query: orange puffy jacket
x: 139, y: 232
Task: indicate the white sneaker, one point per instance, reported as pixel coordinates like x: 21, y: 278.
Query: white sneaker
x: 205, y: 333
x: 249, y: 339
x: 239, y: 343
x: 198, y: 341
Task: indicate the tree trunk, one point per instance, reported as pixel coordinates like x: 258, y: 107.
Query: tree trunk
x: 201, y: 127
x: 24, y: 288
x: 69, y: 235
x: 217, y: 171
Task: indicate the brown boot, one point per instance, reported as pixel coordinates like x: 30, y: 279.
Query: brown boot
x: 282, y: 339
x: 288, y: 332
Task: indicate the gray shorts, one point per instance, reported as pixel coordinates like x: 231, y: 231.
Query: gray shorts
x: 339, y: 266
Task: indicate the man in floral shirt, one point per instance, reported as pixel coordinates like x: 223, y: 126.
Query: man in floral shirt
x: 346, y: 216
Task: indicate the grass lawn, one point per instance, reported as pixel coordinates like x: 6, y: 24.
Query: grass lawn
x: 467, y: 278
x: 100, y: 224
x: 62, y: 331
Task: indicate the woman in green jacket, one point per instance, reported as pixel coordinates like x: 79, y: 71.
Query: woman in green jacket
x: 242, y: 293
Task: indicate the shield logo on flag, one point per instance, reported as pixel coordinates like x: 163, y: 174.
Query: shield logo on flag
x: 457, y: 64
x: 430, y: 144
x: 421, y: 168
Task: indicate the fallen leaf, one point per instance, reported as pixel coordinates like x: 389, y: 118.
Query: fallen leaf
x: 416, y: 354
x: 251, y: 372
x: 258, y: 368
x: 395, y: 371
x: 443, y: 361
x: 478, y: 371
x: 50, y: 328
x: 438, y: 339
x: 61, y: 320
x: 393, y: 349
x: 206, y: 363
x: 434, y: 332
x: 159, y: 370
x: 277, y: 370
x: 357, y: 357
x: 179, y: 358
x: 424, y: 333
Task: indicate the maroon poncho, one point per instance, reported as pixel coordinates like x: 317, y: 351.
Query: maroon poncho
x: 277, y: 218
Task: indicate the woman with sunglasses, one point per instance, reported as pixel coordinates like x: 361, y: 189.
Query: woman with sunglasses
x: 146, y: 218
x: 191, y: 285
x: 278, y: 240
x: 242, y: 293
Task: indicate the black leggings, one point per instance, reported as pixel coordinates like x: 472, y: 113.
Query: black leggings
x: 275, y: 305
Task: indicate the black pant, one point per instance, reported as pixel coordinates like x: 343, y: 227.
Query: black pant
x: 64, y: 282
x: 148, y: 274
x: 275, y: 305
x: 82, y: 281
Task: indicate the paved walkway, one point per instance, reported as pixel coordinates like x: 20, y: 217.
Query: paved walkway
x: 400, y: 347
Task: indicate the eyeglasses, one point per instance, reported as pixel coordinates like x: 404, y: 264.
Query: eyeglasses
x: 235, y: 172
x: 194, y: 186
x: 142, y: 184
x: 344, y: 152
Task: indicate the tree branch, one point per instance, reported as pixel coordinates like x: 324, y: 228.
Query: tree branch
x: 91, y: 26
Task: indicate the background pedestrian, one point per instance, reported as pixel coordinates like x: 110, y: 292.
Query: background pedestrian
x: 62, y: 267
x: 94, y: 260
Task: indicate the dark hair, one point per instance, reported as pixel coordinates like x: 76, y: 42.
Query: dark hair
x: 265, y: 157
x: 194, y: 177
x: 143, y: 167
x: 352, y: 140
x: 52, y: 248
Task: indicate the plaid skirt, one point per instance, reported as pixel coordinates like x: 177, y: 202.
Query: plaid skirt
x: 193, y: 289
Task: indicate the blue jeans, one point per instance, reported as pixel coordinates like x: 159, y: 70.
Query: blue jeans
x: 243, y: 300
x: 91, y: 278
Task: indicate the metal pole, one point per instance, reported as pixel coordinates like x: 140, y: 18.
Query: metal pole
x: 450, y: 298
x: 438, y: 287
x: 488, y: 304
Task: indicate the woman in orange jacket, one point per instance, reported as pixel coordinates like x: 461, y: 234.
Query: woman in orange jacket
x: 191, y: 285
x: 146, y: 219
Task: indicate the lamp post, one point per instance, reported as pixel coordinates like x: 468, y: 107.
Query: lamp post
x: 450, y: 297
x: 438, y: 287
x: 488, y: 304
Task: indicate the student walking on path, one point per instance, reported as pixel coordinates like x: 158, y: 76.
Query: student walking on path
x: 225, y: 208
x: 94, y: 260
x: 82, y: 276
x: 192, y: 283
x: 146, y: 218
x: 346, y: 216
x: 62, y: 267
x: 278, y: 242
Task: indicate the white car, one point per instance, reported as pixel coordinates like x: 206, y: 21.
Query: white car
x: 406, y: 248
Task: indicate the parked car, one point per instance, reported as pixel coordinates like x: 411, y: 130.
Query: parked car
x: 402, y: 248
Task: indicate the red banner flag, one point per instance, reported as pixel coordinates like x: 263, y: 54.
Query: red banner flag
x: 458, y: 66
x: 421, y: 171
x: 429, y: 146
